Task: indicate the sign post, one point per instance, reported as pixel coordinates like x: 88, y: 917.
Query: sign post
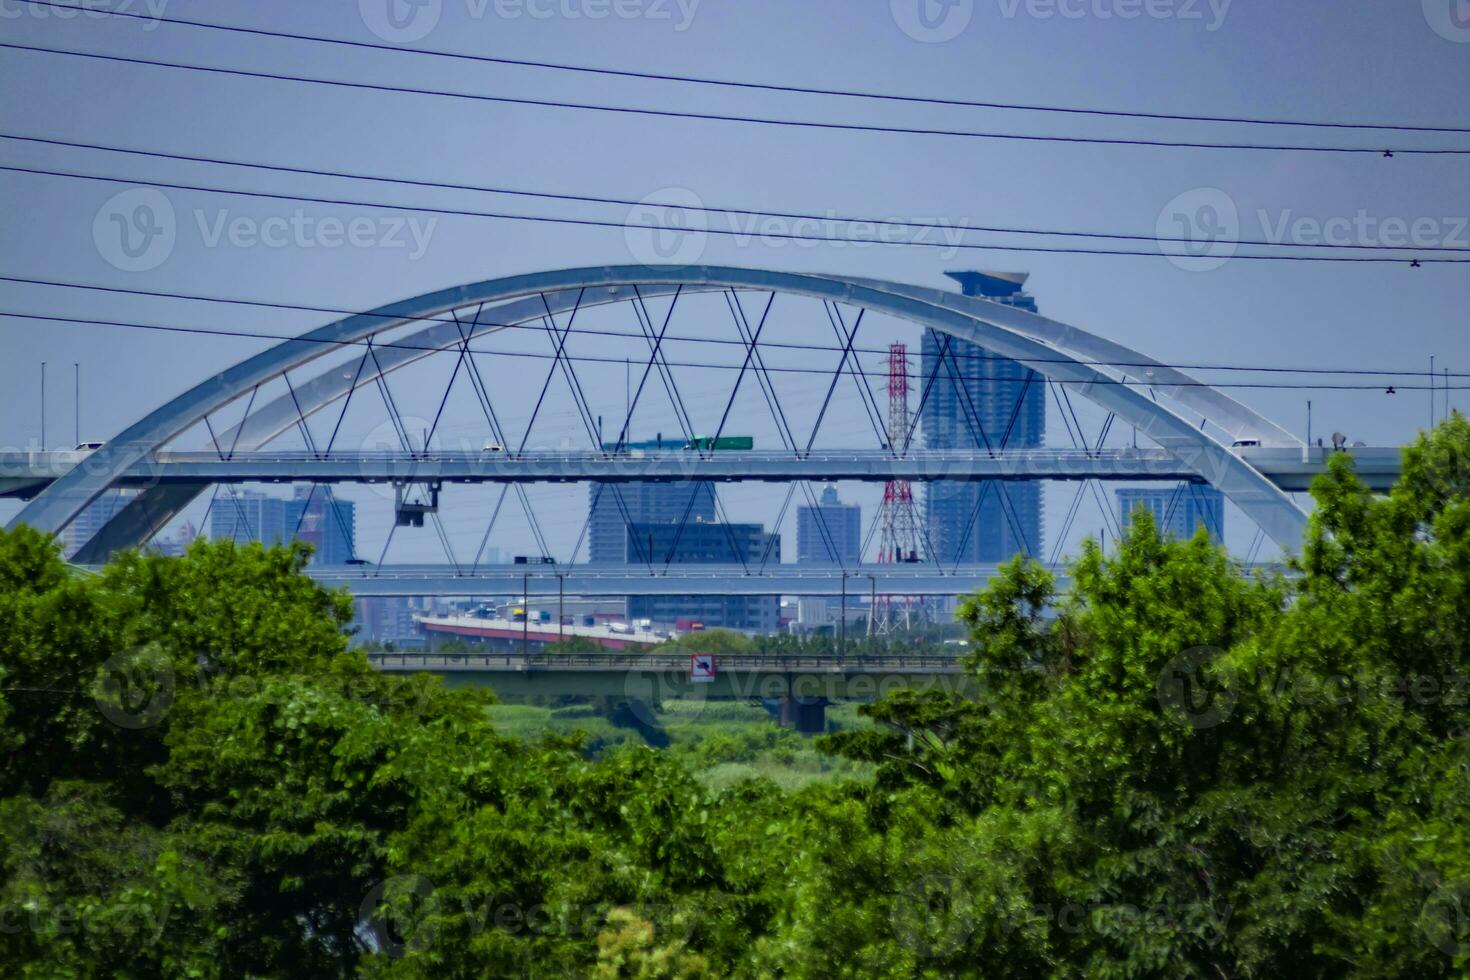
x: 702, y: 668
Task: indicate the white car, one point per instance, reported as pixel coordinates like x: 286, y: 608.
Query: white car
x: 492, y: 447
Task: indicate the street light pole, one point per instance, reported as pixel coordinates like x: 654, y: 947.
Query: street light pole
x: 842, y: 621
x: 872, y: 602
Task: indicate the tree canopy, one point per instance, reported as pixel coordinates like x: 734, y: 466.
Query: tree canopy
x: 1173, y: 769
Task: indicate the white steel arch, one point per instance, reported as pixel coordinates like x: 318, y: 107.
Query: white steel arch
x: 1056, y: 351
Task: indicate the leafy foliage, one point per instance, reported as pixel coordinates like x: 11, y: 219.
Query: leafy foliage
x: 1172, y: 769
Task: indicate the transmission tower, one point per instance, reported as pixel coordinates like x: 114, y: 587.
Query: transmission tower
x: 899, y: 539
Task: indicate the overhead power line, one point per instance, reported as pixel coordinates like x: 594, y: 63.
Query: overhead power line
x: 726, y: 211
x: 730, y: 341
x: 735, y: 118
x: 881, y: 372
x: 763, y: 86
x: 1410, y: 258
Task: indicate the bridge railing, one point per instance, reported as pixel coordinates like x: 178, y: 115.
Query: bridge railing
x: 616, y: 662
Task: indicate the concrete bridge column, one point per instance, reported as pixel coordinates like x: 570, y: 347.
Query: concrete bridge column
x: 806, y: 715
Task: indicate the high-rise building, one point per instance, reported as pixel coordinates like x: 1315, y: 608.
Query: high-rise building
x: 389, y: 619
x: 94, y: 518
x: 614, y: 506
x: 707, y: 543
x: 175, y: 546
x: 249, y: 515
x: 831, y: 533
x: 1177, y: 511
x: 982, y: 401
x: 326, y: 522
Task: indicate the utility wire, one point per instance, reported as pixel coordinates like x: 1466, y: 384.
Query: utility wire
x: 758, y: 86
x: 705, y: 365
x: 729, y: 341
x: 735, y: 118
x: 752, y: 212
x: 728, y: 232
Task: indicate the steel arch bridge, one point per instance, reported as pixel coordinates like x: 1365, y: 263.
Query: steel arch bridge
x: 1168, y: 406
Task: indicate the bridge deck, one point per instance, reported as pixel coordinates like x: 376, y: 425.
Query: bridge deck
x: 652, y: 677
x: 26, y: 473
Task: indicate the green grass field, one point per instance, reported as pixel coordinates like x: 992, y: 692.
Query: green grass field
x: 724, y: 742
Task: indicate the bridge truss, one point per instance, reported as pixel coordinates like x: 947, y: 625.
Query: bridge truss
x: 1190, y: 428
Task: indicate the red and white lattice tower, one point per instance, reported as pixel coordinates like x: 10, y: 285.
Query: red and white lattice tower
x: 899, y: 539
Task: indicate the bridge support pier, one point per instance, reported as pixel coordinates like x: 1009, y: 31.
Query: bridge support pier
x: 808, y: 716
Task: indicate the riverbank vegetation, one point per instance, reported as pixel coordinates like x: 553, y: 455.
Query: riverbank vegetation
x: 1176, y: 771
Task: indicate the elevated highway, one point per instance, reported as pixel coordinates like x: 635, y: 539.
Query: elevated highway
x: 543, y: 581
x: 802, y: 684
x: 25, y: 474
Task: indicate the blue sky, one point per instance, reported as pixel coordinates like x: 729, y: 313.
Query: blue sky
x: 1405, y: 62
